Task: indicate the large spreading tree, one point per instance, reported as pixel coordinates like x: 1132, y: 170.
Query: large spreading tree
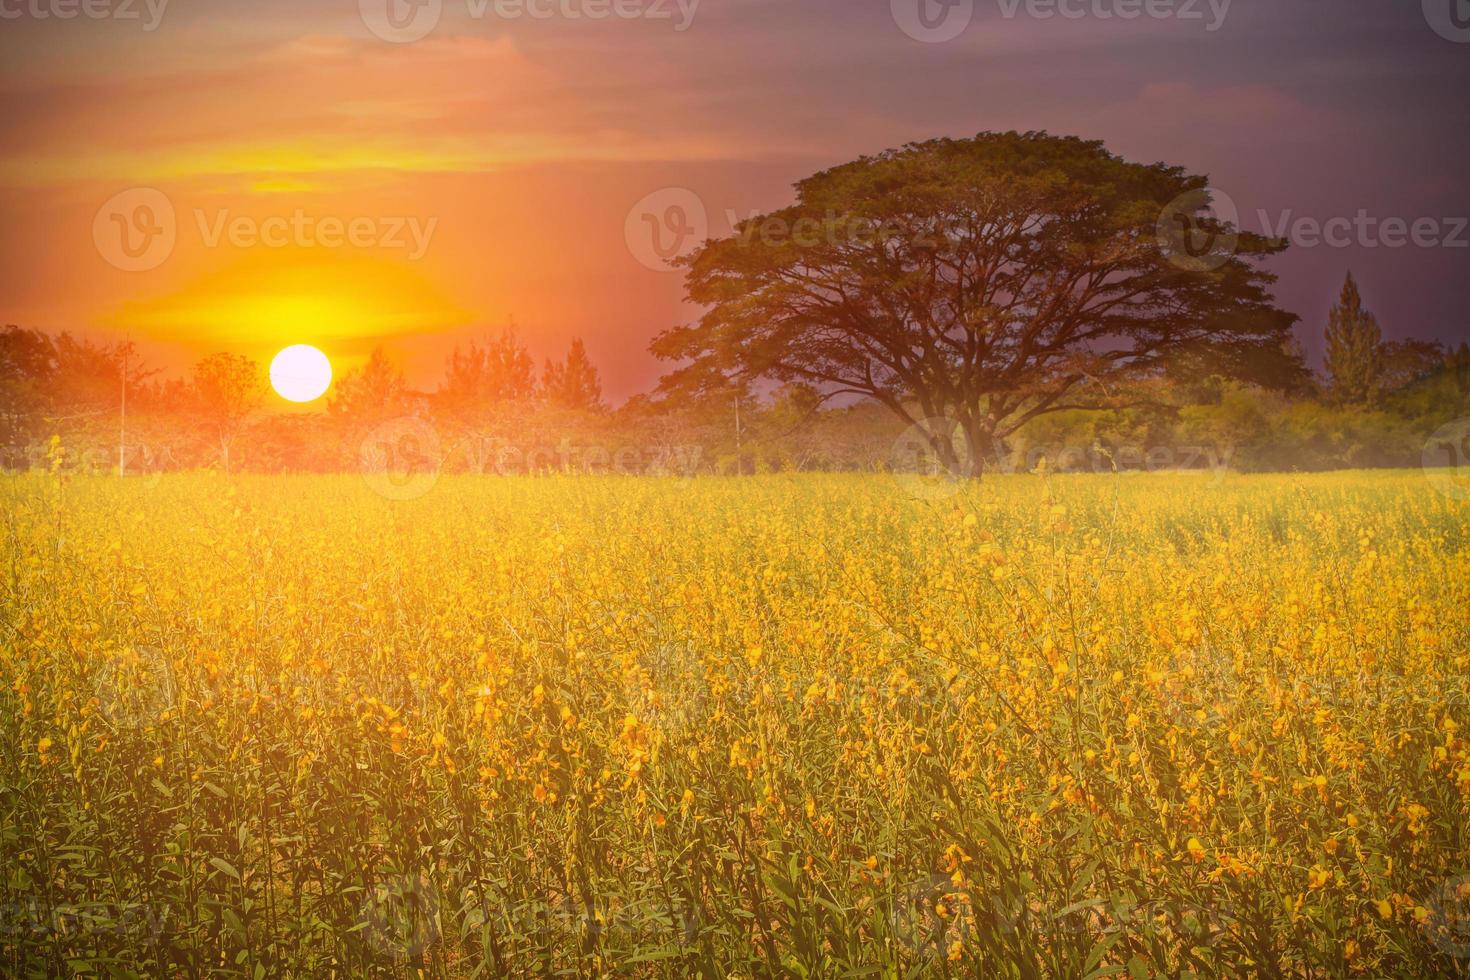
x: 984, y: 282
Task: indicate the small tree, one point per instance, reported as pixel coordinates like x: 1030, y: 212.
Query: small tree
x: 485, y: 392
x: 479, y: 379
x: 371, y: 393
x: 1354, y: 355
x: 227, y: 388
x: 1406, y: 362
x: 574, y: 383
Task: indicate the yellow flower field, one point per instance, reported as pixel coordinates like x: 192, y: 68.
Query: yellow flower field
x: 778, y: 726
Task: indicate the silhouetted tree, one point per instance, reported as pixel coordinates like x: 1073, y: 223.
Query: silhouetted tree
x: 371, y: 393
x: 1354, y: 354
x: 65, y: 385
x: 27, y: 374
x: 988, y: 281
x: 1406, y: 361
x: 227, y: 389
x: 574, y: 383
x: 479, y: 379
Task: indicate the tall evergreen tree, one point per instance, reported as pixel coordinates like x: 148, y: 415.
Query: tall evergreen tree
x: 1354, y: 356
x: 574, y: 383
x: 372, y: 393
x: 481, y: 382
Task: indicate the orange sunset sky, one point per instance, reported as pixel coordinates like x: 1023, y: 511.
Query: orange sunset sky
x: 523, y: 143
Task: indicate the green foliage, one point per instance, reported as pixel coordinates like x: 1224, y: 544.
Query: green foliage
x: 574, y: 383
x: 988, y: 280
x: 1354, y: 355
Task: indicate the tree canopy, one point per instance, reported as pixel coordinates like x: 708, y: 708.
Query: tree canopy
x: 1354, y: 354
x: 983, y: 281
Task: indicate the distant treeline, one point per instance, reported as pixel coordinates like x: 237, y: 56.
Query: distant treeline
x: 78, y: 404
x: 982, y: 304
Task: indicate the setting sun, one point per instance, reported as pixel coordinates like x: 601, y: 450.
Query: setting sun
x: 300, y: 373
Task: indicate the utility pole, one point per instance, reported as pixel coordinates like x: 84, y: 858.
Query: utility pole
x: 122, y: 415
x: 739, y: 460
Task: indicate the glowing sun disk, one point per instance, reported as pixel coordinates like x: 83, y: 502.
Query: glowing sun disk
x: 300, y: 373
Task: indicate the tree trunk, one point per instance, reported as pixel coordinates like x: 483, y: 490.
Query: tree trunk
x: 982, y: 448
x: 940, y: 433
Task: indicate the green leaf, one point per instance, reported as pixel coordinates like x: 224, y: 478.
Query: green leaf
x: 226, y: 867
